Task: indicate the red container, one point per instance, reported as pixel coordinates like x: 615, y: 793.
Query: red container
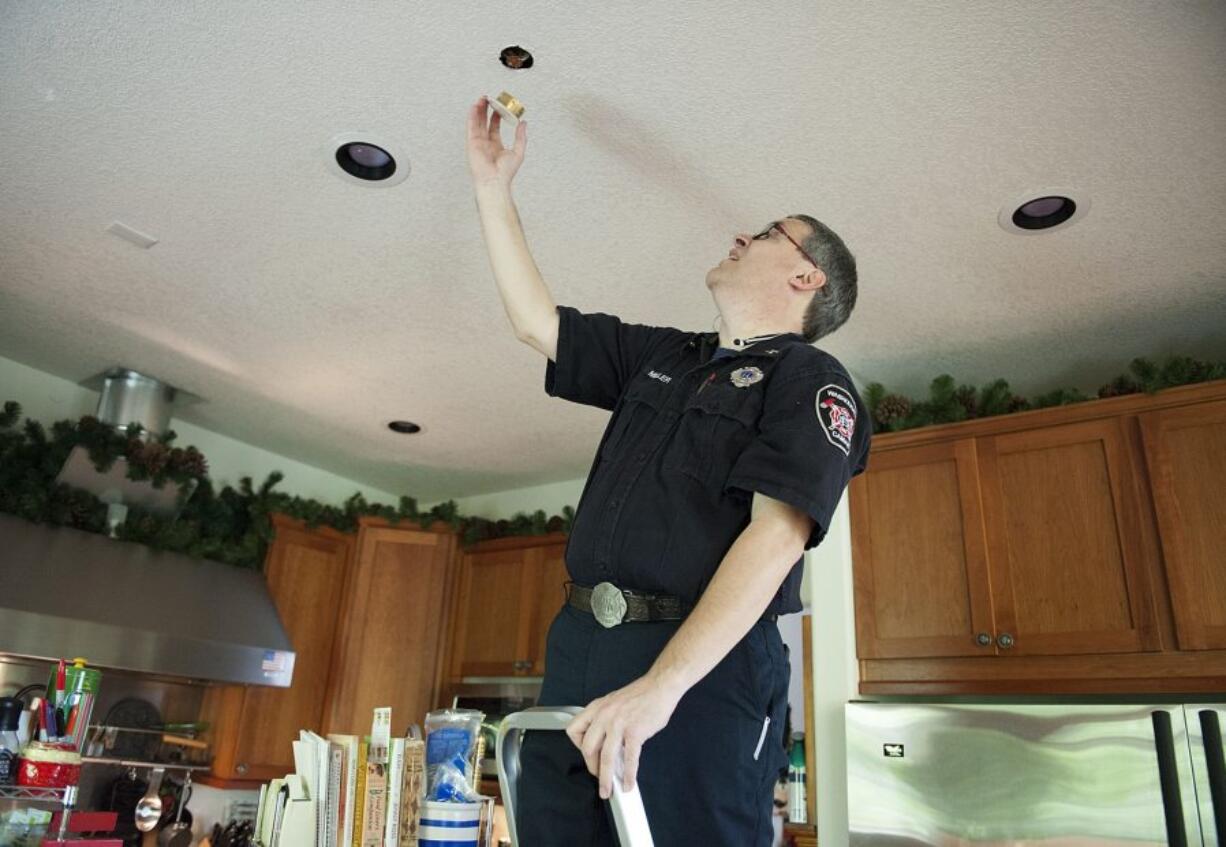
x: 48, y: 765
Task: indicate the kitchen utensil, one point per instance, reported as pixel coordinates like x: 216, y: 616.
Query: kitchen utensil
x: 149, y: 809
x: 134, y: 713
x: 179, y: 833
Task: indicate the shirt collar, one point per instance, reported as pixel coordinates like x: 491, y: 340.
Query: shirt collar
x: 769, y: 348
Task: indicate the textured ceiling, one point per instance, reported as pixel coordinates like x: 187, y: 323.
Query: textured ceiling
x: 307, y: 311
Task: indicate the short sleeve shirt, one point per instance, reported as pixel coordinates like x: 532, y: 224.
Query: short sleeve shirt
x: 691, y: 439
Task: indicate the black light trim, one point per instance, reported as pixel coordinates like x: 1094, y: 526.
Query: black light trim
x: 1025, y: 220
x: 404, y: 427
x: 351, y: 166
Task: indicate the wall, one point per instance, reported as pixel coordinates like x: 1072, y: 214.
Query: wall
x: 47, y: 398
x: 827, y: 594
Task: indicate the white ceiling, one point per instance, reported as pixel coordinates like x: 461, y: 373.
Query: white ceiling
x: 308, y: 312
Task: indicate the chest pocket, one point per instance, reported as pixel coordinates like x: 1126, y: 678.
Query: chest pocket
x: 644, y: 404
x: 716, y: 425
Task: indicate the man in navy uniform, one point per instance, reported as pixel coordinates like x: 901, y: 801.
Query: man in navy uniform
x: 723, y: 461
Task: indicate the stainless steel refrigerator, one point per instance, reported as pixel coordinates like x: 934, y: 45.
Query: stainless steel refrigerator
x: 1060, y: 775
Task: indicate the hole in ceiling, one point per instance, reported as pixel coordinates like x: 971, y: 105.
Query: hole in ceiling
x: 404, y: 427
x: 365, y: 161
x: 516, y: 58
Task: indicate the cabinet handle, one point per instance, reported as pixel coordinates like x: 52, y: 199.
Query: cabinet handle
x: 523, y: 665
x: 1005, y: 641
x: 983, y: 639
x: 240, y: 768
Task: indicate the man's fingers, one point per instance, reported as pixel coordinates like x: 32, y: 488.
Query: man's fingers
x: 495, y: 123
x: 630, y: 768
x: 521, y: 139
x: 476, y: 119
x: 608, y: 764
x: 593, y: 742
x: 578, y: 726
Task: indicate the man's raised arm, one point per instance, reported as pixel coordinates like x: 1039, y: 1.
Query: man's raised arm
x: 526, y: 298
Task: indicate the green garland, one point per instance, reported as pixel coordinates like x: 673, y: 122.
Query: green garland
x: 231, y: 526
x: 949, y: 403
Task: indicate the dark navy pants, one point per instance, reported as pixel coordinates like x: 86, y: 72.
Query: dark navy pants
x: 707, y: 778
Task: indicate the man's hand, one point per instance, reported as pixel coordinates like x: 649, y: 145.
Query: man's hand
x: 488, y: 161
x: 625, y: 717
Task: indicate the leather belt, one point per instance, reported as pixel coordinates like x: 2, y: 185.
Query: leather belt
x: 612, y: 606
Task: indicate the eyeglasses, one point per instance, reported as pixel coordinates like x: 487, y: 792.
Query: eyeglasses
x: 764, y: 234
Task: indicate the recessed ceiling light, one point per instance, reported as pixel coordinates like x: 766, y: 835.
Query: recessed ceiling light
x: 516, y: 58
x: 366, y: 159
x: 404, y: 427
x: 1042, y: 211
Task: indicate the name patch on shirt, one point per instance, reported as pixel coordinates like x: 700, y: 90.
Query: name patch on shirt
x: 837, y: 412
x: 664, y: 378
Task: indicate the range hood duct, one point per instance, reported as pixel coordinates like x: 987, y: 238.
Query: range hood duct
x: 66, y: 593
x: 127, y: 397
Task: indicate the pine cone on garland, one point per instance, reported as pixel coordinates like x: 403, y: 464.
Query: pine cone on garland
x: 892, y: 409
x: 1118, y: 387
x: 1017, y: 403
x: 968, y: 399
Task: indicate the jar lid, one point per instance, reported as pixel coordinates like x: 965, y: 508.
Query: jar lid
x: 39, y: 751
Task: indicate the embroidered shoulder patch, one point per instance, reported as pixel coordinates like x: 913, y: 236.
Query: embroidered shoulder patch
x: 837, y: 412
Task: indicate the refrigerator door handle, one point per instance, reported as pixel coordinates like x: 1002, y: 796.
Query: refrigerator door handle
x: 1211, y: 732
x: 1168, y: 777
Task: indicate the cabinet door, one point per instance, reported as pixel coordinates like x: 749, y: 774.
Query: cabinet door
x: 392, y: 629
x: 550, y: 590
x: 918, y: 554
x: 1060, y: 507
x: 1185, y: 449
x: 254, y: 725
x: 494, y: 614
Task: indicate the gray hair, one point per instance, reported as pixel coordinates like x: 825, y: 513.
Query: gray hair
x: 832, y: 303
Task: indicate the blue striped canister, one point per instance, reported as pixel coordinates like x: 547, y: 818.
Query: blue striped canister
x: 449, y: 824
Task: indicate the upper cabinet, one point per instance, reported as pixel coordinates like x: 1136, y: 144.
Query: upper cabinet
x: 921, y: 569
x: 509, y: 592
x: 1069, y: 549
x: 1185, y: 449
x: 391, y: 641
x: 365, y: 613
x: 252, y: 727
x: 1064, y: 550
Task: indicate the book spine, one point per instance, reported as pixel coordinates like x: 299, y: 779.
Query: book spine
x: 395, y: 777
x: 375, y: 809
x: 413, y: 791
x: 360, y: 794
x: 336, y: 779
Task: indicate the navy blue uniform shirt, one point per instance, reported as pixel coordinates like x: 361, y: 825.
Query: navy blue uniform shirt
x: 691, y: 439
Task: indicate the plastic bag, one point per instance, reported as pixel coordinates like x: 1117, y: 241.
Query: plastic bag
x: 451, y: 748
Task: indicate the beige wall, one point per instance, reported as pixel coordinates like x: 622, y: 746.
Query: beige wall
x: 47, y: 398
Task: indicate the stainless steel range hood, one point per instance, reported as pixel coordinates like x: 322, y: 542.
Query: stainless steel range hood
x: 66, y: 593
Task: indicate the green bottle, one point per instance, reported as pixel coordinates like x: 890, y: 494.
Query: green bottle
x: 798, y: 800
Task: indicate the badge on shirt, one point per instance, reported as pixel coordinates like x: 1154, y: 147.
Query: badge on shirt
x: 745, y: 377
x: 837, y: 412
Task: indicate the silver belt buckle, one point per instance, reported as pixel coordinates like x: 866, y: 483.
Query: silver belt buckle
x: 608, y: 604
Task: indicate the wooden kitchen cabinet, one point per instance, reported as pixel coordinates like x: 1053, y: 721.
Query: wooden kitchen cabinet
x: 252, y: 727
x: 921, y: 575
x: 1061, y: 518
x: 509, y: 591
x: 1185, y: 449
x: 1066, y: 550
x: 392, y: 632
